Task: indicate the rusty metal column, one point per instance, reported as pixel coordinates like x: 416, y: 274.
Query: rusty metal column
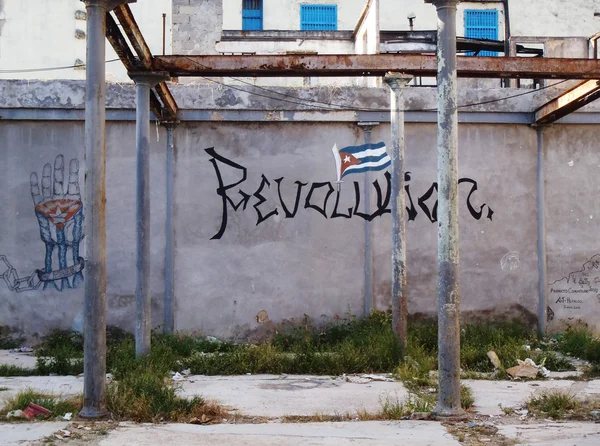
x: 397, y: 83
x: 143, y: 303
x: 368, y: 269
x: 448, y: 247
x: 94, y: 324
x: 169, y: 242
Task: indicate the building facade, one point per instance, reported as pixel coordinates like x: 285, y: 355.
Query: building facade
x: 44, y: 39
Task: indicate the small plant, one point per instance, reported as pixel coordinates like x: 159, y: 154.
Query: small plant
x: 392, y: 408
x: 58, y: 406
x: 466, y: 397
x: 15, y: 370
x: 575, y: 341
x: 554, y: 404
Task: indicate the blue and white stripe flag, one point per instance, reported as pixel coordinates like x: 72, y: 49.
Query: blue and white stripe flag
x: 358, y: 159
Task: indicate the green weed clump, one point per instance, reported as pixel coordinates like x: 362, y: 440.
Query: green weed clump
x: 15, y: 370
x: 142, y: 389
x: 346, y: 346
x: 554, y: 404
x: 575, y: 341
x: 58, y: 406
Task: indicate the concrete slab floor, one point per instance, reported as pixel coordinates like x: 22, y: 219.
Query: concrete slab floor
x: 371, y: 433
x: 25, y: 360
x: 17, y: 433
x: 277, y: 396
x: 554, y: 434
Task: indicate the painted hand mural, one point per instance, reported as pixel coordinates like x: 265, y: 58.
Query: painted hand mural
x: 60, y: 217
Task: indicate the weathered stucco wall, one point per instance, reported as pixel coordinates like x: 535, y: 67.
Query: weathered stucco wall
x: 241, y: 269
x: 26, y: 148
x: 572, y: 222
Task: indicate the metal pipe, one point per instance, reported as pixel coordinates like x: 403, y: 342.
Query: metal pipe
x: 397, y: 84
x: 169, y: 242
x: 542, y: 264
x: 368, y: 270
x: 164, y: 36
x: 448, y: 233
x: 142, y: 288
x: 94, y: 327
x: 143, y: 302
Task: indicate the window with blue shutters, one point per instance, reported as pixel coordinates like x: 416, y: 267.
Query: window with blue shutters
x: 482, y: 24
x: 318, y: 17
x: 252, y: 15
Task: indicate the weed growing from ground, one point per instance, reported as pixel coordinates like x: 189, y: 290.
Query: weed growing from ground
x: 554, y: 404
x: 15, y: 370
x: 58, y: 406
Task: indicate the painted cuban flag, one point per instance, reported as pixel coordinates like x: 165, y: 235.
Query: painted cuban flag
x: 358, y: 159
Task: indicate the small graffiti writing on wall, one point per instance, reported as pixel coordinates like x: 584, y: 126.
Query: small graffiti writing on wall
x: 579, y: 288
x: 59, y: 213
x: 328, y: 203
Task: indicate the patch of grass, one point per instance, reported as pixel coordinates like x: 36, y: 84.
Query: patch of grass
x: 392, y: 408
x: 466, y: 397
x: 15, y: 370
x: 3, y: 389
x: 58, y: 406
x: 62, y: 362
x: 143, y: 391
x: 575, y: 341
x: 554, y: 404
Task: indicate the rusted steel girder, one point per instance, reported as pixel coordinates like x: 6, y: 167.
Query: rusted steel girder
x: 350, y: 65
x: 568, y: 102
x: 165, y: 111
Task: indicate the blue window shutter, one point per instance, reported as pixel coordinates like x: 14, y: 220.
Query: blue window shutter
x: 318, y: 17
x: 252, y: 15
x: 482, y: 24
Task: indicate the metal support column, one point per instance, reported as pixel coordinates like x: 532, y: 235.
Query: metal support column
x: 542, y: 264
x: 169, y: 271
x: 368, y: 270
x: 448, y: 246
x: 397, y: 83
x: 143, y: 324
x: 94, y: 318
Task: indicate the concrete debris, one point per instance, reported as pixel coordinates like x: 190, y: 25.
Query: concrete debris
x: 18, y: 414
x: 178, y: 377
x: 365, y: 379
x: 21, y: 350
x: 494, y: 359
x: 212, y: 339
x: 65, y: 433
x: 34, y: 410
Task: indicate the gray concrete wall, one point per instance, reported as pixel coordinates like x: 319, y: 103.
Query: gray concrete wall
x: 26, y: 148
x: 253, y: 277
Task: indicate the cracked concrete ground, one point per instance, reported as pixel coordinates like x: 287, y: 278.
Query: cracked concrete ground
x: 272, y: 397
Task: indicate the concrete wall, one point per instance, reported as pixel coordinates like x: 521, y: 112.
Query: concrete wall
x: 42, y: 34
x: 26, y: 148
x: 243, y: 273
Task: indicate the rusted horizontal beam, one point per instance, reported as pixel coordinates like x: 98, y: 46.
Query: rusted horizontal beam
x: 346, y: 65
x: 568, y: 102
